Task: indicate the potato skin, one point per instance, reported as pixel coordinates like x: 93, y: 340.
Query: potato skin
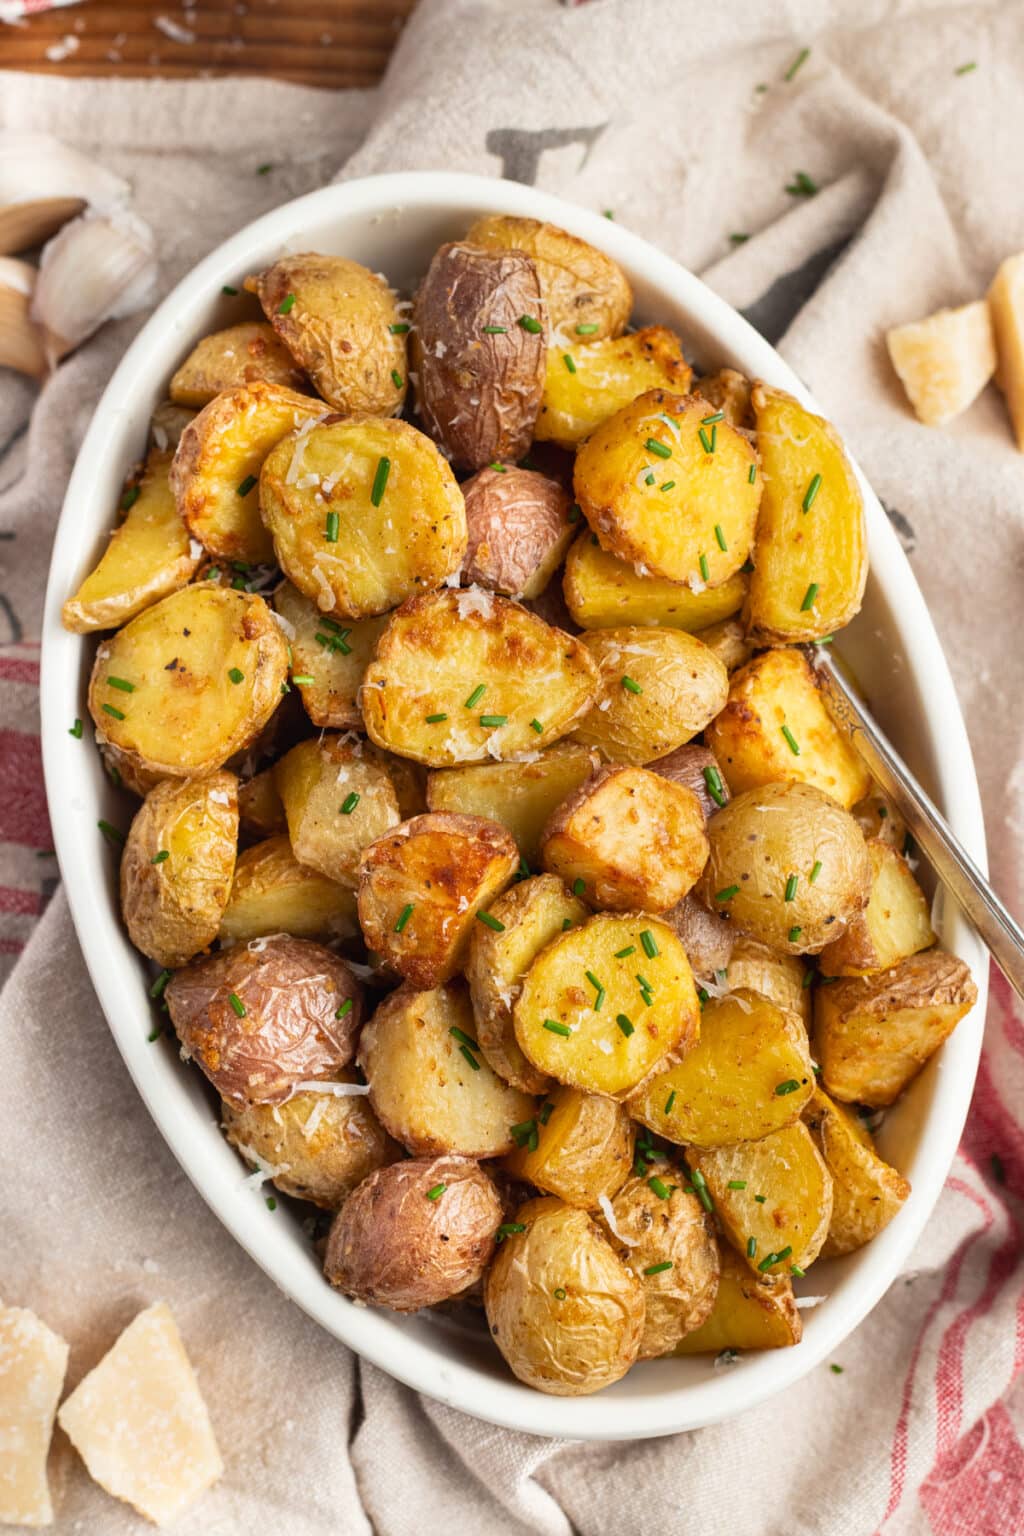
x: 456, y: 360
x: 688, y: 766
x: 177, y: 866
x: 521, y: 795
x: 584, y: 1148
x: 708, y: 941
x: 729, y: 391
x: 878, y: 818
x: 260, y: 811
x: 236, y: 356
x: 894, y: 924
x: 581, y: 286
x: 867, y: 1192
x: 779, y: 978
x: 572, y: 1345
x: 518, y: 530
x: 291, y: 991
x: 273, y: 893
x: 392, y: 1246
x: 751, y: 1311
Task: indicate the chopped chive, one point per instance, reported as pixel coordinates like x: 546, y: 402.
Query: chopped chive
x: 535, y: 725
x: 659, y: 1187
x: 574, y: 512
x: 965, y: 69
x: 802, y: 185
x: 237, y: 1005
x: 435, y: 719
x: 122, y: 683
x: 812, y: 491
x: 768, y: 1262
x: 625, y: 1023
x: 559, y: 1293
x: 231, y: 292
x: 579, y: 885
x: 236, y: 675
x: 645, y: 985
x: 331, y: 528
x: 546, y: 1112
x: 713, y: 783
x: 476, y: 695
x: 264, y: 170
x: 815, y: 872
x: 700, y: 1189
x: 630, y: 684
x: 653, y: 445
x: 404, y: 917
x: 245, y: 487
x: 287, y: 304
x: 556, y: 1028
x: 808, y: 981
x: 528, y: 323
x: 703, y: 563
x: 649, y: 478
x: 836, y: 1370
x: 809, y: 596
x: 346, y: 1007
x: 649, y: 943
x: 522, y: 1132
x: 349, y: 803
x: 129, y: 498
x: 509, y: 1229
x: 567, y: 360
x: 495, y: 330
x: 791, y: 885
x: 795, y: 1269
x: 490, y: 922
x: 161, y: 857
x: 727, y: 893
x: 398, y: 330
x: 791, y: 741
x: 760, y: 1199
x: 491, y: 722
x: 800, y: 60
x: 271, y: 1203
x: 789, y: 1086
x: 609, y: 213
x: 523, y: 872
x: 669, y: 1102
x: 751, y: 1247
x: 594, y: 982
x: 76, y: 729
x: 111, y: 833
x: 738, y: 238
x: 630, y: 949
x: 380, y: 480
x: 709, y: 421
x: 437, y: 1191
x: 587, y: 329
x: 736, y: 1184
x: 304, y: 679
x: 752, y: 474
x: 154, y: 1034
x: 465, y: 1051
x: 657, y: 1269
x: 396, y: 378
x: 705, y: 440
x: 794, y: 934
x: 118, y: 714
x: 720, y: 537
x: 667, y: 486
x: 157, y: 989
x: 648, y: 1000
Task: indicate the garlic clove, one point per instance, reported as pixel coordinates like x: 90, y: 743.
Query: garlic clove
x: 21, y: 345
x: 43, y: 183
x: 99, y: 267
x: 25, y: 225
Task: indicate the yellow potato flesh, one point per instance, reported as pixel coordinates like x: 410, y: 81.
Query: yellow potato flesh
x: 749, y: 1313
x: 520, y: 795
x: 315, y: 780
x: 867, y: 1192
x: 230, y: 358
x: 894, y: 924
x: 579, y: 1147
x: 273, y: 893
x: 604, y: 377
x: 603, y: 592
x: 333, y: 654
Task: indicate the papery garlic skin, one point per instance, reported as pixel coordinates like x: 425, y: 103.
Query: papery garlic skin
x: 99, y: 267
x: 43, y: 183
x: 21, y: 345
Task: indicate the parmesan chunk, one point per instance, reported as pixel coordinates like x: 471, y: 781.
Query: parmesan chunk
x: 1006, y: 305
x: 944, y: 362
x: 32, y: 1363
x: 139, y: 1423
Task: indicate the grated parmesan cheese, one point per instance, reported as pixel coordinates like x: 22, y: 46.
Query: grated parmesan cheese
x: 609, y: 1215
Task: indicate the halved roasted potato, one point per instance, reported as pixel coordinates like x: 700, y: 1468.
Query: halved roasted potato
x: 231, y: 358
x: 328, y: 658
x: 867, y: 1192
x: 273, y: 893
x: 750, y: 1312
x: 604, y: 592
x: 519, y: 528
x: 894, y: 924
x: 782, y: 979
x: 708, y: 942
x: 729, y: 642
x: 260, y: 810
x: 586, y: 382
x: 338, y: 797
x: 521, y: 795
x: 586, y: 293
x: 455, y: 680
x: 578, y: 1146
x: 696, y: 768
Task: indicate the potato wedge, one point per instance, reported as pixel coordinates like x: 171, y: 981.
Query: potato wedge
x: 636, y: 840
x: 602, y: 377
x: 328, y: 658
x: 231, y: 359
x: 150, y: 554
x: 578, y: 1146
x: 585, y: 292
x: 873, y: 1034
x: 776, y: 690
x: 530, y: 915
x: 894, y: 924
x: 782, y: 979
x: 790, y: 1225
x: 748, y: 1075
x: 658, y: 688
x: 648, y: 1003
x: 519, y: 529
x: 1006, y: 309
x: 216, y: 467
x: 684, y: 509
x: 729, y: 391
x: 273, y: 893
x: 363, y: 514
x: 604, y: 592
x: 177, y: 866
x: 695, y: 768
x: 867, y: 1192
x: 521, y: 795
x: 198, y: 676
x: 260, y: 809
x: 445, y: 648
x: 877, y: 817
x: 708, y: 941
x: 728, y: 641
x: 810, y: 556
x: 422, y: 885
x: 944, y: 361
x: 423, y: 1088
x: 338, y: 797
x: 750, y: 1312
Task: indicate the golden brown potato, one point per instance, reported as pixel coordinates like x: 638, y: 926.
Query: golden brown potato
x: 604, y: 592
x: 658, y: 688
x: 196, y: 678
x: 526, y: 918
x: 566, y: 1313
x: 519, y: 529
x: 635, y: 839
x: 228, y: 359
x: 414, y: 1233
x: 765, y: 840
x: 177, y: 865
x: 708, y: 941
x: 867, y: 1192
x: 329, y: 658
x: 894, y: 924
x: 696, y: 768
x: 877, y: 817
x: 260, y: 811
x: 663, y: 1235
x: 810, y: 558
x: 579, y: 1146
x: 342, y: 324
x: 685, y: 508
x: 338, y: 797
x: 273, y: 893
x: 316, y: 1146
x: 728, y: 641
x: 521, y: 795
x: 777, y: 690
x: 125, y: 772
x: 750, y: 1312
x: 262, y: 1018
x: 729, y: 392
x: 428, y: 1085
x: 216, y: 467
x: 586, y: 293
x: 788, y: 1227
x: 478, y: 344
x: 604, y: 1003
x: 363, y: 514
x: 150, y: 554
x: 873, y: 1034
x: 589, y: 382
x: 782, y: 979
x: 422, y: 885
x: 455, y: 680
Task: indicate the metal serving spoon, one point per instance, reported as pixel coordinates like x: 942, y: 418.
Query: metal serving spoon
x: 952, y: 864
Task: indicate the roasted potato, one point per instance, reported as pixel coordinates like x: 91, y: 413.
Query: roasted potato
x: 696, y: 768
x: 150, y: 554
x: 636, y: 840
x: 782, y: 979
x: 328, y: 658
x: 873, y: 1034
x: 867, y: 1192
x: 685, y: 508
x: 579, y: 1146
x: 316, y: 1146
x: 765, y: 840
x: 588, y: 382
x: 177, y: 866
x: 604, y: 592
x: 422, y: 885
x: 585, y: 292
x: 566, y: 1313
x: 260, y: 810
x: 195, y: 679
x: 786, y: 1228
x: 428, y: 1085
x: 708, y: 941
x: 445, y: 649
x: 810, y: 557
x: 728, y: 641
x: 750, y: 1312
x: 894, y: 924
x: 521, y: 795
x: 414, y: 1233
x: 662, y: 1234
x: 525, y: 918
x: 363, y: 514
x: 338, y: 797
x: 729, y: 392
x: 263, y: 1019
x: 519, y: 528
x: 342, y: 324
x: 478, y: 346
x: 233, y: 358
x: 604, y: 1003
x: 658, y: 688
x: 774, y: 701
x: 216, y: 467
x: 273, y: 893
x: 877, y: 817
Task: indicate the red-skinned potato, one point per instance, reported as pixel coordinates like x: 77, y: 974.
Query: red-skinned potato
x: 519, y: 529
x: 696, y: 768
